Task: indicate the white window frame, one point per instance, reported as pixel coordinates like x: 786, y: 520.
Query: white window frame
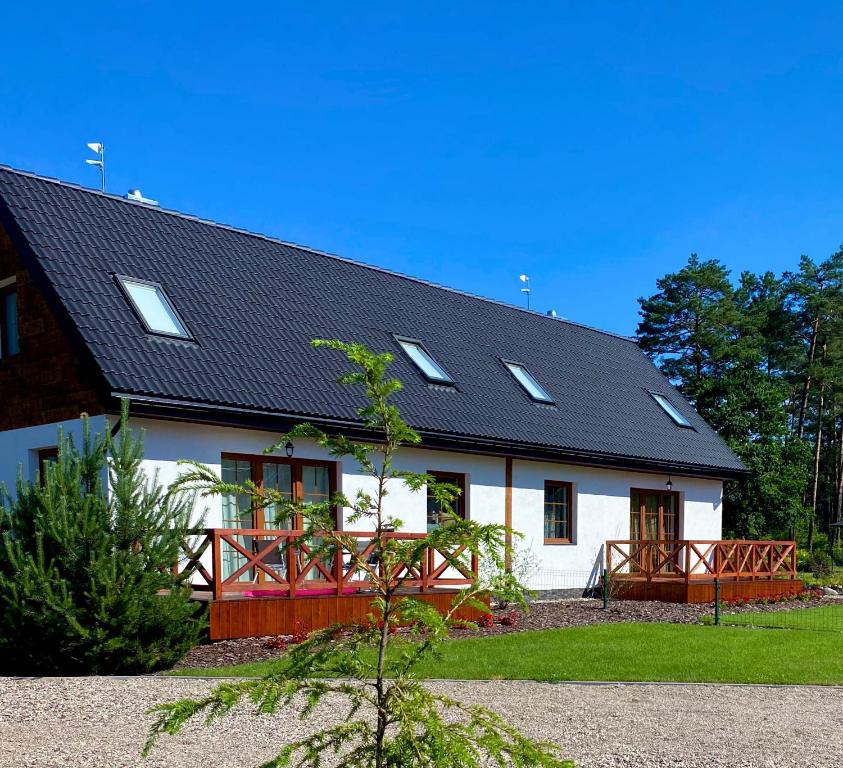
x: 404, y: 342
x: 165, y: 301
x: 528, y: 382
x: 670, y: 409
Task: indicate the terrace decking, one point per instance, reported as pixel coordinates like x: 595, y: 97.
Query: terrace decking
x: 259, y: 581
x: 685, y: 571
x: 271, y: 582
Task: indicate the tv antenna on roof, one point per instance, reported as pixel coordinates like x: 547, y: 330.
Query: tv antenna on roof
x: 526, y: 289
x: 98, y: 148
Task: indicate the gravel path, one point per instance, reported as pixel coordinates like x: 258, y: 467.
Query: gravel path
x: 81, y: 723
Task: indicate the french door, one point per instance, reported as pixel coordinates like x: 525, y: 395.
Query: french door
x: 654, y: 516
x: 311, y: 482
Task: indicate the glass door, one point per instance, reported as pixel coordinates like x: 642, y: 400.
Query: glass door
x: 278, y: 477
x: 236, y: 513
x: 654, y: 517
x: 316, y: 489
x: 292, y: 479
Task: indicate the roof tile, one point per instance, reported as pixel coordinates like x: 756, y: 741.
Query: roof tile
x: 253, y: 304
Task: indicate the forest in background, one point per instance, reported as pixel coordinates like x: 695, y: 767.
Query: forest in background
x: 761, y: 359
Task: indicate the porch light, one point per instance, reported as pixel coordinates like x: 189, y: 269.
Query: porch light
x: 669, y: 483
x: 288, y: 449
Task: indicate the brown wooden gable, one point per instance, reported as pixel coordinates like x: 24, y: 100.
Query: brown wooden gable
x: 48, y: 380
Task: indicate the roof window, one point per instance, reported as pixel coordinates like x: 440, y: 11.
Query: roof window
x: 422, y: 359
x: 670, y: 409
x: 526, y: 380
x: 153, y: 307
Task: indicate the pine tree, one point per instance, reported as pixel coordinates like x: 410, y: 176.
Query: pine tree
x: 690, y: 327
x: 82, y: 569
x: 729, y: 350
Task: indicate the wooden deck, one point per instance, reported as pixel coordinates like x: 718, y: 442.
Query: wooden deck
x: 699, y: 590
x: 234, y: 616
x: 686, y: 571
x: 274, y: 582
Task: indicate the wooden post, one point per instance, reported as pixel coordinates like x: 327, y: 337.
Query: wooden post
x: 687, y: 561
x: 423, y: 572
x: 291, y: 565
x: 338, y: 568
x: 507, y: 513
x: 216, y: 554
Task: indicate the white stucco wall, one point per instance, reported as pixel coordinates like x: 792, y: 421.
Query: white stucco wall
x: 601, y: 496
x: 600, y: 513
x: 19, y: 447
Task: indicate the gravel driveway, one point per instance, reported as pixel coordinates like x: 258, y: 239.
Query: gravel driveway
x: 100, y: 722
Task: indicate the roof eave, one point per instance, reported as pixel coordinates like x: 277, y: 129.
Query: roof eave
x: 225, y: 415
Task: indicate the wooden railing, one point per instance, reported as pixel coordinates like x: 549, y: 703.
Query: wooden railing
x: 255, y: 560
x: 683, y: 559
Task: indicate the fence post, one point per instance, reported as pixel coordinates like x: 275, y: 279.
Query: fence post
x: 605, y: 588
x: 716, y: 602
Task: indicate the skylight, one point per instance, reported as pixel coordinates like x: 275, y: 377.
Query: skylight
x: 525, y: 379
x: 670, y: 409
x: 424, y: 362
x: 153, y: 307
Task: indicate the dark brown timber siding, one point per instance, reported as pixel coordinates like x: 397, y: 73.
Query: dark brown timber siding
x: 47, y: 381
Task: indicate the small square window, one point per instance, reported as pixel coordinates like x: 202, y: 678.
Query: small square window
x: 530, y: 385
x: 670, y: 409
x: 153, y: 307
x: 422, y: 359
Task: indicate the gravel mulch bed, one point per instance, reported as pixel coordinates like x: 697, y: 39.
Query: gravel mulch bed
x: 98, y: 722
x: 542, y: 615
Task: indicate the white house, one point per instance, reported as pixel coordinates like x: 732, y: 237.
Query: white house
x: 566, y: 432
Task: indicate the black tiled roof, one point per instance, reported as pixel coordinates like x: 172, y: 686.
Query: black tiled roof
x: 253, y: 303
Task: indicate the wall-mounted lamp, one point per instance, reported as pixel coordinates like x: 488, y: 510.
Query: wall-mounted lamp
x: 289, y: 448
x: 669, y: 483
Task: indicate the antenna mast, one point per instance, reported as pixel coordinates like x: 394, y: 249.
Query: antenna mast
x: 98, y: 148
x: 526, y: 289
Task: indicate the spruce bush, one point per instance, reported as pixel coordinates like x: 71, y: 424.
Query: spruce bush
x: 86, y: 581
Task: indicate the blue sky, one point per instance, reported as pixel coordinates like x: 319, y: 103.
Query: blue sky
x: 591, y: 145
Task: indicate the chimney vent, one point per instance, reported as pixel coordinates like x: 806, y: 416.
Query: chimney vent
x: 135, y: 194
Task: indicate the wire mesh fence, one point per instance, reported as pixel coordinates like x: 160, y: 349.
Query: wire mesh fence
x: 826, y: 618
x: 549, y: 584
x: 808, y: 610
x: 811, y: 610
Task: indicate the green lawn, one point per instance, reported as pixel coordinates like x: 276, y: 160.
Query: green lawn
x: 647, y: 652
